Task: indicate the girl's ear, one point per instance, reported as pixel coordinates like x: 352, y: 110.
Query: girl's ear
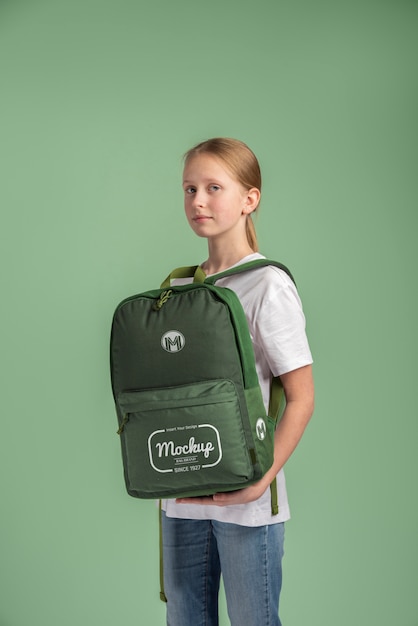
x: 251, y: 201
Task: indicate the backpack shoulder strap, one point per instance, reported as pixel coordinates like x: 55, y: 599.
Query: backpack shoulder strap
x: 199, y: 276
x: 245, y: 267
x: 277, y: 399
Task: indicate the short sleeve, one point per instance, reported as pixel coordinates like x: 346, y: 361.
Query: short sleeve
x: 279, y: 325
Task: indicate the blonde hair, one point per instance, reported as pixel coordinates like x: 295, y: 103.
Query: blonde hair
x: 241, y: 162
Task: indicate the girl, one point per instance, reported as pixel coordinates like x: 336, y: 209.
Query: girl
x: 235, y: 533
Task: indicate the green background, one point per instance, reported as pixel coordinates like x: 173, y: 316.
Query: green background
x: 99, y: 99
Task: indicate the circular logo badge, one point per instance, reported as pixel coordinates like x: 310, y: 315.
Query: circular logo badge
x: 173, y: 341
x: 260, y: 429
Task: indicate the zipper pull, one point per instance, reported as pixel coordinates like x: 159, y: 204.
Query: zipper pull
x: 122, y: 426
x: 165, y: 295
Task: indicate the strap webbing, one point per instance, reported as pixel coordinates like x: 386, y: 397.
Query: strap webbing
x: 274, y: 500
x: 275, y: 405
x: 160, y: 515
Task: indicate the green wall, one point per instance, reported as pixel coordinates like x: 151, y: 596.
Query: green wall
x: 98, y: 100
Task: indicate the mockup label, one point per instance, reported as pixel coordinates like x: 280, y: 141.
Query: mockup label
x: 184, y: 448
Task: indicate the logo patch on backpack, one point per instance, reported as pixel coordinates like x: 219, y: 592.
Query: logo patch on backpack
x: 173, y: 341
x: 260, y: 429
x: 184, y: 448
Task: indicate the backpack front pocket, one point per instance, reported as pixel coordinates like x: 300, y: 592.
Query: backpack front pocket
x: 184, y: 440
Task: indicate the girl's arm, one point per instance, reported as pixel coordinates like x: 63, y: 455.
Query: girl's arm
x: 299, y: 391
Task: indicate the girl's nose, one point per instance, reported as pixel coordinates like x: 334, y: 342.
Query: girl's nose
x: 199, y: 199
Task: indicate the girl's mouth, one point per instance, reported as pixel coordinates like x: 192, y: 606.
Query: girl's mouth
x: 201, y: 218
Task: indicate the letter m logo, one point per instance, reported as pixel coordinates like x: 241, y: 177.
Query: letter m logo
x: 173, y: 341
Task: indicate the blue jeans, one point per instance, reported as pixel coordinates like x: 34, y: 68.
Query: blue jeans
x: 197, y: 551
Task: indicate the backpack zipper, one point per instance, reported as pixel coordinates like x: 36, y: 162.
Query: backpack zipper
x: 164, y: 296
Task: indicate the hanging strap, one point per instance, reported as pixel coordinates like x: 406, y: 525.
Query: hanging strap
x: 275, y: 405
x: 160, y: 517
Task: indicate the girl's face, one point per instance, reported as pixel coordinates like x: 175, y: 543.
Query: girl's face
x: 215, y: 202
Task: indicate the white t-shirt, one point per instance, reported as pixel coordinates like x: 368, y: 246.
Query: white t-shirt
x: 277, y: 327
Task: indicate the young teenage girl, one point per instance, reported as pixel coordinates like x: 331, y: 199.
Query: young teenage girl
x: 235, y: 533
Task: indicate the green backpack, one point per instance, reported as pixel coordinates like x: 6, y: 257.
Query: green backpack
x: 190, y: 411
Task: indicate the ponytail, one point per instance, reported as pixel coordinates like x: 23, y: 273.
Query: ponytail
x: 251, y: 234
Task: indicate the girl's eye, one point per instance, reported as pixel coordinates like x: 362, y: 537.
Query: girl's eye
x: 214, y: 188
x: 190, y: 190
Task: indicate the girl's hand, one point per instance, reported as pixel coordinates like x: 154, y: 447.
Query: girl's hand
x: 242, y: 496
x: 299, y: 391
